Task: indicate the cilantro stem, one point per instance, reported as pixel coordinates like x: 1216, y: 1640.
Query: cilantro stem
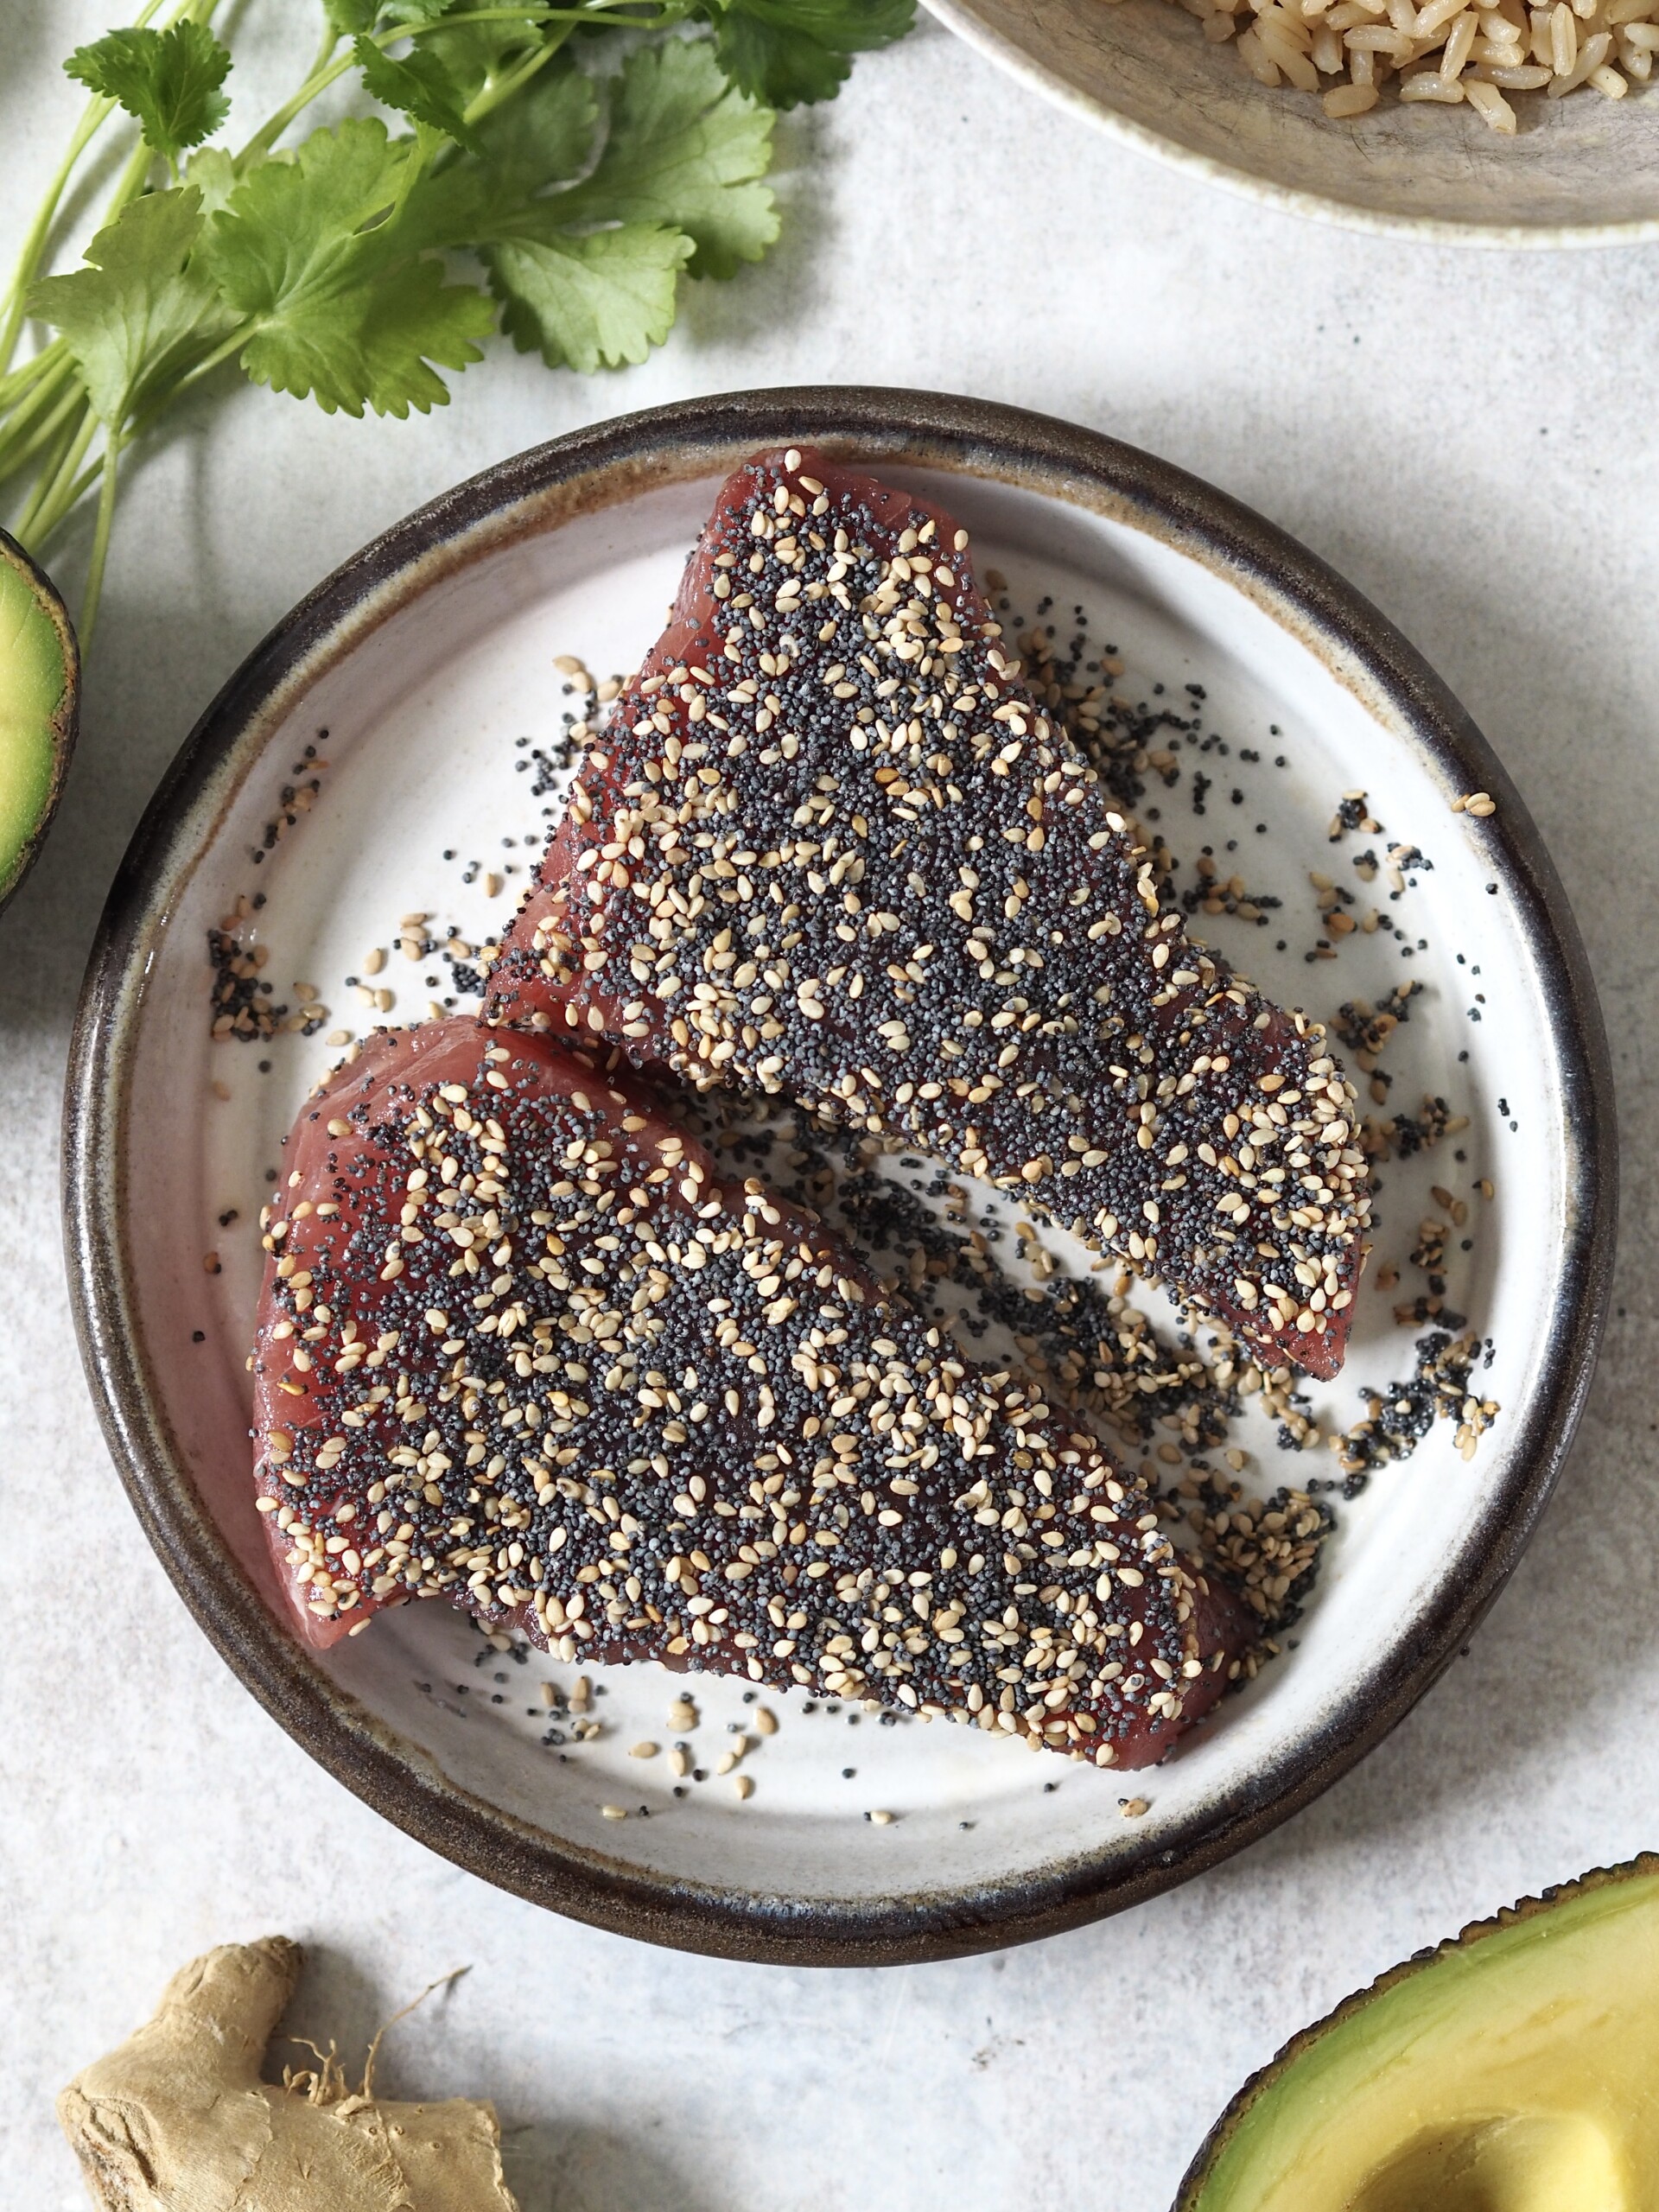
x: 131, y: 182
x: 493, y: 95
x: 671, y: 12
x: 47, y: 363
x: 48, y: 506
x: 28, y: 260
x: 322, y: 73
x: 19, y: 441
x: 94, y: 590
x: 192, y: 376
x: 56, y: 451
x: 76, y: 492
x: 95, y: 114
x: 330, y: 65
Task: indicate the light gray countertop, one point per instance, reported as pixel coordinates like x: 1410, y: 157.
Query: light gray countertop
x: 1473, y: 438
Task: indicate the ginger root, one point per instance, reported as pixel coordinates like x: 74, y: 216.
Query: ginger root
x: 178, y: 2120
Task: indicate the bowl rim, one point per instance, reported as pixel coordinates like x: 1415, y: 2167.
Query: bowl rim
x: 962, y: 18
x: 597, y: 467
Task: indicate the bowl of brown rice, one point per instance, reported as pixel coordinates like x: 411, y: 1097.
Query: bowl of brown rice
x: 1489, y: 121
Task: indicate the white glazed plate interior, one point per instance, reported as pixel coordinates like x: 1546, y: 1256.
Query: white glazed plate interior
x: 422, y: 718
x: 1579, y: 171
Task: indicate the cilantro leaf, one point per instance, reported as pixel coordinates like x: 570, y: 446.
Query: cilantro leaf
x: 543, y: 136
x: 593, y: 301
x: 344, y: 308
x: 418, y: 87
x: 347, y: 18
x: 374, y: 347
x: 212, y: 172
x: 353, y: 18
x: 140, y: 310
x: 169, y: 79
x: 683, y: 149
x: 588, y: 275
x: 785, y: 51
x: 474, y: 53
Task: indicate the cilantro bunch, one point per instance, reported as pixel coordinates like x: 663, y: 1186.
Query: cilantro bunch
x: 587, y: 156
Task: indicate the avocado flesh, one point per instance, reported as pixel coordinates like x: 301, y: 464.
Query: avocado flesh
x: 1515, y: 2070
x: 39, y: 688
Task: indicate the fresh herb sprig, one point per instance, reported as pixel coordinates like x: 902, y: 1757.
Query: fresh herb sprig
x: 588, y: 156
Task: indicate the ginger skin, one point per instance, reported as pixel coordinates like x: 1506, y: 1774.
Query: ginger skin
x: 178, y: 2120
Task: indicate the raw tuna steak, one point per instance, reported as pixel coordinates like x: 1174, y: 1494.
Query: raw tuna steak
x: 521, y: 1346
x: 832, y: 847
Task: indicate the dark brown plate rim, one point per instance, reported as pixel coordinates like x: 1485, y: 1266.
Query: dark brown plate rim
x: 598, y: 467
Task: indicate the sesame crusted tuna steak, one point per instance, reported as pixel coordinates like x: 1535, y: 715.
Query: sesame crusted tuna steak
x: 832, y: 847
x: 521, y: 1347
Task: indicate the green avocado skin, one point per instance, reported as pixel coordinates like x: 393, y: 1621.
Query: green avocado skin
x: 39, y: 703
x: 1509, y: 2071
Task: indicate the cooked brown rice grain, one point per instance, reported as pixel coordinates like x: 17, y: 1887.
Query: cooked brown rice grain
x: 1592, y: 52
x: 1459, y: 45
x: 1490, y: 105
x: 1447, y: 53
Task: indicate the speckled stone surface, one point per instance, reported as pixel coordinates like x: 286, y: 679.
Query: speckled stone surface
x: 1472, y: 438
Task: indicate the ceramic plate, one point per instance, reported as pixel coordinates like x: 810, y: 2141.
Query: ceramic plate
x: 1581, y: 171
x: 392, y: 750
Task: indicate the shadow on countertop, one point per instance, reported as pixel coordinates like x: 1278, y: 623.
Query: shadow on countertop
x: 570, y: 2166
x: 558, y: 2164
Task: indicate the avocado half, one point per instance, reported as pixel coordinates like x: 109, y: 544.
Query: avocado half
x: 1516, y: 2069
x: 39, y: 708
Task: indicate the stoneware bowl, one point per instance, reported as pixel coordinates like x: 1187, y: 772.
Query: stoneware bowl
x: 1579, y: 171
x: 389, y: 751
